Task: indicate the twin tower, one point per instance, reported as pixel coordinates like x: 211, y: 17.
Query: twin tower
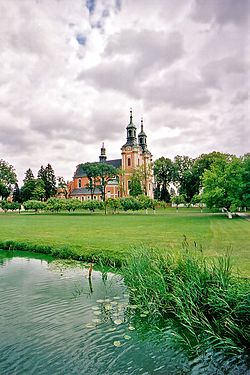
x: 136, y: 156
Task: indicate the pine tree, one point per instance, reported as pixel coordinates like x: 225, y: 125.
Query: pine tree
x: 17, y: 194
x: 28, y: 187
x: 47, y: 175
x: 28, y: 175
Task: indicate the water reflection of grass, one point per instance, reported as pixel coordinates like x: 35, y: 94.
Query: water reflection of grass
x: 203, y: 302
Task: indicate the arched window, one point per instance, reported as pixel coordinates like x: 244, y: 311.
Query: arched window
x: 129, y: 162
x: 129, y: 133
x: 79, y: 183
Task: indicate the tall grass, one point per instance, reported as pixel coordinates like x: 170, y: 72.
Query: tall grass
x: 203, y: 303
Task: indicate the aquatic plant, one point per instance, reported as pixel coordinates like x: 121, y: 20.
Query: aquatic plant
x: 200, y: 300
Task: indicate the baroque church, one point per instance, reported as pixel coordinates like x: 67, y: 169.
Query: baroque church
x: 134, y: 155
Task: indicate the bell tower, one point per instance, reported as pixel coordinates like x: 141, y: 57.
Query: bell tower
x: 103, y: 157
x: 142, y: 138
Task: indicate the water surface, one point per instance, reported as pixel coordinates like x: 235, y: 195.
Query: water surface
x: 53, y: 321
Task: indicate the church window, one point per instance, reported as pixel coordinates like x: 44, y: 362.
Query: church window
x: 129, y: 162
x: 138, y: 162
x: 94, y: 197
x: 79, y: 183
x: 140, y: 140
x: 129, y: 133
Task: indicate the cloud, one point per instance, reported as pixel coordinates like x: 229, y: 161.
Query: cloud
x: 221, y: 11
x: 70, y: 71
x: 178, y: 89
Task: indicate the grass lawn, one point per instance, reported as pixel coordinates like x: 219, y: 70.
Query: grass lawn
x: 116, y: 235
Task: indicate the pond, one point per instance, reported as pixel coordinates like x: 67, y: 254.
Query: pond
x: 54, y: 320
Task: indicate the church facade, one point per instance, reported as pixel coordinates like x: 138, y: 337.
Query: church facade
x: 135, y: 156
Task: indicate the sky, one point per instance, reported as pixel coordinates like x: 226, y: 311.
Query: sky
x: 71, y: 69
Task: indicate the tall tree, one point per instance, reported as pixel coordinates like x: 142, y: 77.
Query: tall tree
x: 17, y: 194
x: 7, y: 178
x: 135, y: 185
x: 92, y: 172
x: 105, y: 172
x: 47, y: 175
x: 224, y: 184
x: 62, y: 185
x: 28, y: 175
x: 164, y: 171
x: 29, y: 186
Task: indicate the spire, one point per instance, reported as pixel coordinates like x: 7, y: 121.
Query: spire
x: 131, y: 132
x: 103, y: 157
x: 131, y: 116
x: 142, y: 138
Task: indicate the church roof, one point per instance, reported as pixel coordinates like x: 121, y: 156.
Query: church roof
x: 85, y: 191
x: 116, y: 163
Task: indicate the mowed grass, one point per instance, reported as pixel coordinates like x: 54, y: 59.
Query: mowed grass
x: 118, y: 235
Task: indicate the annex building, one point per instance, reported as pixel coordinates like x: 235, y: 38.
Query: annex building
x: 134, y: 155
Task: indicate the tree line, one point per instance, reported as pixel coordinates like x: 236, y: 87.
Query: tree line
x: 214, y: 179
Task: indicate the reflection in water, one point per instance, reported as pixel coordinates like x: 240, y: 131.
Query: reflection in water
x: 56, y: 320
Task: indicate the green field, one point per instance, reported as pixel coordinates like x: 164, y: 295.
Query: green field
x: 117, y: 235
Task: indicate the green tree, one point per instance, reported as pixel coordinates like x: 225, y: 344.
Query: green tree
x: 7, y: 178
x: 178, y: 199
x: 29, y: 186
x: 47, y: 175
x: 105, y: 172
x: 164, y: 172
x: 135, y: 185
x: 92, y: 172
x: 224, y: 185
x: 39, y: 193
x: 17, y: 194
x: 62, y: 186
x: 246, y: 180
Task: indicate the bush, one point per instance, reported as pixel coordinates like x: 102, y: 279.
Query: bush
x: 34, y: 205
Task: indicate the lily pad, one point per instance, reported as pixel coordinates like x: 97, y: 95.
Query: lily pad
x: 118, y: 321
x: 127, y: 337
x: 131, y: 328
x: 117, y: 343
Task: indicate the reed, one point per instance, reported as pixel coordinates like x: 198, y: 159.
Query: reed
x: 200, y: 300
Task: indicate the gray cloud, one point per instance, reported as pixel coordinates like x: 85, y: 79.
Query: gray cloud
x: 178, y: 90
x: 221, y: 11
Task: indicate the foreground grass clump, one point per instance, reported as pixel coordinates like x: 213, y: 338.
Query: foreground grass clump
x: 201, y: 301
